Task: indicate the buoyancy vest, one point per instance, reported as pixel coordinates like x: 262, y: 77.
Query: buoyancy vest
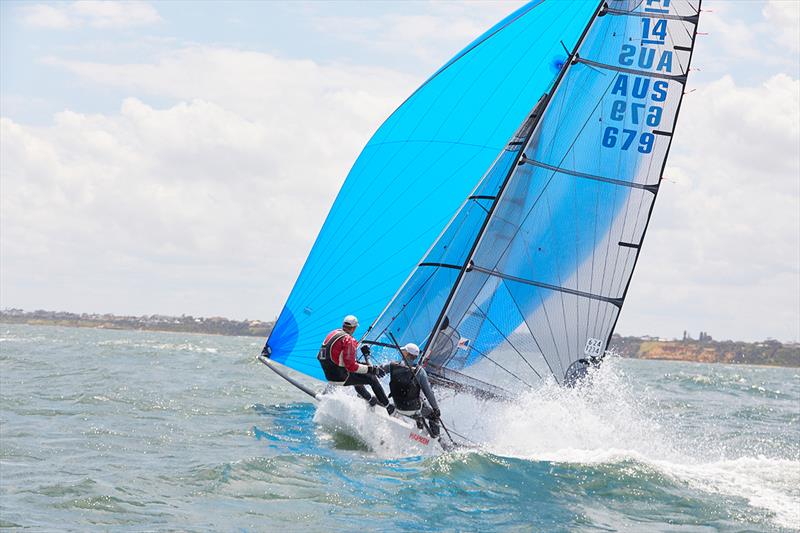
x: 333, y: 372
x: 405, y: 387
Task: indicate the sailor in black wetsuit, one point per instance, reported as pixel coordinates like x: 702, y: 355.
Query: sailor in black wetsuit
x: 406, y: 382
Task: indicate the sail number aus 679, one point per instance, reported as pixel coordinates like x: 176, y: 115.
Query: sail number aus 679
x: 648, y: 110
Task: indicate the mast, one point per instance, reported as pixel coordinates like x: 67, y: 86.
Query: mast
x: 540, y: 108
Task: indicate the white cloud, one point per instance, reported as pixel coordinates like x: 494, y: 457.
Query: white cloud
x: 208, y: 204
x: 431, y: 35
x: 44, y: 16
x: 725, y: 237
x: 91, y: 13
x: 784, y: 17
x: 748, y: 39
x: 225, y: 189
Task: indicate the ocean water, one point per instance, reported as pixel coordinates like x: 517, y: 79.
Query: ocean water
x: 143, y: 431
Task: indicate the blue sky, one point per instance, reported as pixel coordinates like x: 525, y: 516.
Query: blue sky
x: 153, y: 154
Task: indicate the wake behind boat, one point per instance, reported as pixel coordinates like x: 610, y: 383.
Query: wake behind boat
x: 496, y: 218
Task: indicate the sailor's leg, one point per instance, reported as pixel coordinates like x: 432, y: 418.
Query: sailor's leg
x: 433, y: 423
x: 359, y: 380
x: 378, y: 390
x: 361, y: 390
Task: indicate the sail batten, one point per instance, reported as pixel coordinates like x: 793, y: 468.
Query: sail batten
x: 657, y: 14
x: 575, y: 292
x: 597, y: 64
x: 651, y: 188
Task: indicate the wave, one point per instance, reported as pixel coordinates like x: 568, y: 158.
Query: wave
x: 160, y: 346
x: 605, y: 421
x: 721, y: 378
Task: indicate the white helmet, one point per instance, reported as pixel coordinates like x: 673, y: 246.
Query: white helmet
x: 350, y: 321
x: 411, y: 349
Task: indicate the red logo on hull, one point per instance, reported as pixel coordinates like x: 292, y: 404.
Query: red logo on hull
x: 418, y: 438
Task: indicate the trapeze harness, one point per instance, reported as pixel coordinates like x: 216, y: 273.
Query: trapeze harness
x: 405, y: 388
x: 333, y: 372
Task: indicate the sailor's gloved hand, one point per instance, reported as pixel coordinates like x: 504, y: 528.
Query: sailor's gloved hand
x: 436, y: 413
x: 365, y: 349
x: 376, y: 371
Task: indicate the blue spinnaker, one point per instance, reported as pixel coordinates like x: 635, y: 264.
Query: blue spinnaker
x: 418, y: 168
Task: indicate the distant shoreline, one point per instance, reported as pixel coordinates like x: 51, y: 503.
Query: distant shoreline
x: 56, y: 324
x: 181, y: 324
x: 765, y: 353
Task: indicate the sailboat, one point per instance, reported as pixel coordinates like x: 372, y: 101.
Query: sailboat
x: 497, y: 216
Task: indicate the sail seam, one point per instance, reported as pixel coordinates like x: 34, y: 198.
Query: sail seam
x: 614, y: 301
x: 443, y: 265
x: 438, y: 374
x: 505, y: 337
x: 681, y: 78
x: 507, y: 371
x: 691, y: 18
x: 623, y: 183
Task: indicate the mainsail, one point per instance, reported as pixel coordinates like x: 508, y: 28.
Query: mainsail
x: 529, y: 278
x: 553, y: 130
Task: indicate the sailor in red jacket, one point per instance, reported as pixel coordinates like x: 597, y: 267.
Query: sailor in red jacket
x: 337, y: 356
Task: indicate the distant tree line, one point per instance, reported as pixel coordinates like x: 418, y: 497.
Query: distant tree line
x: 183, y: 323
x: 705, y: 349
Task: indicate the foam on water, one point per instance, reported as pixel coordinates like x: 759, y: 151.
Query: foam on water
x: 604, y: 421
x: 119, y: 429
x: 342, y: 411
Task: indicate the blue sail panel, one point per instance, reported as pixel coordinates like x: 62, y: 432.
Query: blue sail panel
x: 415, y: 309
x: 417, y: 169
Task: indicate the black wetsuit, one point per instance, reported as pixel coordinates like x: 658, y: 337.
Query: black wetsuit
x: 406, y: 384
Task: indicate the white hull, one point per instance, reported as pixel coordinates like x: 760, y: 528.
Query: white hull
x: 391, y: 435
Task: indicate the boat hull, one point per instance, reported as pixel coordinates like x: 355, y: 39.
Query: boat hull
x: 381, y: 432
